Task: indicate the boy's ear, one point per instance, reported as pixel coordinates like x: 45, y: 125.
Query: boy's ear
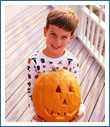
x: 45, y: 31
x: 73, y: 36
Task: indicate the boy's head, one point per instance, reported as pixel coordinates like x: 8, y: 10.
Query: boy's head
x: 63, y: 18
x: 59, y: 30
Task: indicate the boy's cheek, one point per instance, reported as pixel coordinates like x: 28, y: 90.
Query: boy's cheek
x: 51, y: 42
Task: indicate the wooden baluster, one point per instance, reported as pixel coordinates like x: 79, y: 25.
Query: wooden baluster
x: 84, y: 27
x: 97, y: 33
x: 81, y: 25
x: 101, y: 37
x: 88, y: 28
x: 92, y: 32
x: 102, y: 43
x: 91, y: 11
x: 78, y: 30
x: 79, y: 12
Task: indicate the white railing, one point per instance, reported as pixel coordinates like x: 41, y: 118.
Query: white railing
x: 91, y: 31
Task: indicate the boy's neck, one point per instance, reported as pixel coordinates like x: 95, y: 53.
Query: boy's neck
x: 53, y: 54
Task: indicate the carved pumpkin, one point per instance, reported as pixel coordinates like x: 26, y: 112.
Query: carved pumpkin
x: 56, y: 96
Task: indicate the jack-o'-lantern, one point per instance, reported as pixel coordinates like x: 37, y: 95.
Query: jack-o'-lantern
x: 56, y: 96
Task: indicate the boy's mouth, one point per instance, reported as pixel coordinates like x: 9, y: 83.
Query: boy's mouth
x: 58, y: 47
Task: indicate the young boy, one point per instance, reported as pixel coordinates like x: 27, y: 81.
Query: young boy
x: 59, y: 31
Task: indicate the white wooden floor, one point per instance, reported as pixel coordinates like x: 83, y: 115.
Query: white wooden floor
x: 24, y: 34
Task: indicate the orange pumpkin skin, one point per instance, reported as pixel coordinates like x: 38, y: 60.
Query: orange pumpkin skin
x: 56, y: 96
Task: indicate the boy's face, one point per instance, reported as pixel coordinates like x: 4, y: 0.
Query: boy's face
x: 56, y: 38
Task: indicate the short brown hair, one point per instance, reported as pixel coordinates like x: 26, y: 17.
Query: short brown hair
x: 63, y: 18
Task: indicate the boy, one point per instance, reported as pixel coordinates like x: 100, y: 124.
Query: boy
x: 59, y: 31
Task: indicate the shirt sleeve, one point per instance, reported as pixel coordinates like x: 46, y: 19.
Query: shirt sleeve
x: 31, y: 73
x: 75, y: 69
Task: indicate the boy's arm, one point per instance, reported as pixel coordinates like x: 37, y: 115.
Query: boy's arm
x: 75, y: 69
x: 30, y: 82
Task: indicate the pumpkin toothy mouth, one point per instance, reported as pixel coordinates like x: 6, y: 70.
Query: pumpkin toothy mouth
x: 61, y: 114
x: 55, y: 113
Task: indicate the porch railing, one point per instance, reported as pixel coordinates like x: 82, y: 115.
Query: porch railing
x: 91, y: 31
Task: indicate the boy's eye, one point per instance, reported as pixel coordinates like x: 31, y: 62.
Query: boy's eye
x: 53, y: 34
x: 64, y: 37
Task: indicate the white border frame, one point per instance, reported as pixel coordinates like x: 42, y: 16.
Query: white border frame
x: 3, y: 5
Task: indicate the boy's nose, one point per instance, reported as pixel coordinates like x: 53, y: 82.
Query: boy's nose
x: 58, y: 42
x: 57, y: 45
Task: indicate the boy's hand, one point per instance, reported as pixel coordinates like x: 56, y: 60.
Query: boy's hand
x: 80, y: 114
x: 37, y: 118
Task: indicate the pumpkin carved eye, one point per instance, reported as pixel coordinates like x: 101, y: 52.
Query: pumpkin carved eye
x: 71, y: 89
x: 58, y: 89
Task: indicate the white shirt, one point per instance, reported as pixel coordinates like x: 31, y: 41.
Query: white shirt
x: 39, y: 62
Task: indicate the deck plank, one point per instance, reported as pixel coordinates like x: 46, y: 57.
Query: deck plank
x: 89, y: 79
x: 21, y: 64
x: 18, y: 18
x: 93, y: 95
x: 24, y: 21
x: 75, y: 47
x: 82, y: 56
x: 21, y: 48
x: 14, y: 99
x: 99, y: 109
x: 26, y: 29
x: 87, y: 63
x: 20, y: 108
x: 25, y: 116
x: 14, y: 85
x: 16, y: 56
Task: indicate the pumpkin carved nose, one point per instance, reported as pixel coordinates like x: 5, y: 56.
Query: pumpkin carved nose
x: 58, y: 90
x: 65, y: 102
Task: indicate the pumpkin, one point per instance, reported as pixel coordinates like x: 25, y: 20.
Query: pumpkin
x: 56, y: 96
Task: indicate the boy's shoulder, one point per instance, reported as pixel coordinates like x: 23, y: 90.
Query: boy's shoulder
x: 72, y: 58
x: 33, y: 56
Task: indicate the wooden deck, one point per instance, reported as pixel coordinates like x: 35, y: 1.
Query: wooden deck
x: 24, y: 34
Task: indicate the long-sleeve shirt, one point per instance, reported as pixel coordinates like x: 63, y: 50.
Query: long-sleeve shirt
x: 39, y: 63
